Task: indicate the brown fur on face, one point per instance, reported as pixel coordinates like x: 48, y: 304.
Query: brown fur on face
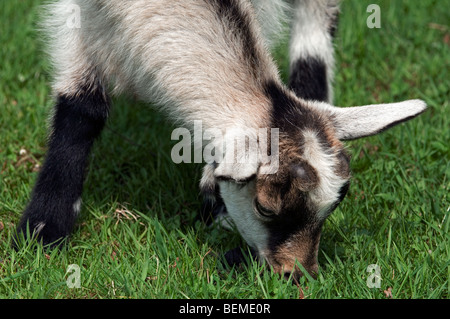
x: 297, y: 174
x: 311, y: 158
x: 301, y: 247
x: 294, y: 175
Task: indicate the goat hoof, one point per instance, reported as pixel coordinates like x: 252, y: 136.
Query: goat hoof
x: 47, y: 229
x: 40, y: 232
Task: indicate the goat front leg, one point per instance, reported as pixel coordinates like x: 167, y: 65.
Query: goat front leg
x: 56, y: 198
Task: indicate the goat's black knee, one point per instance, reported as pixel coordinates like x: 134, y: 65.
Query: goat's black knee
x: 56, y: 198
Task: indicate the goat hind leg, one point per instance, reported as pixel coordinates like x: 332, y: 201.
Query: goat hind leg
x: 313, y: 26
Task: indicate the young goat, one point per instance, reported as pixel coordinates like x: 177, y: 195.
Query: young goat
x: 208, y: 60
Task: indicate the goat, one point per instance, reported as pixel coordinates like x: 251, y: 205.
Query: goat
x: 210, y: 61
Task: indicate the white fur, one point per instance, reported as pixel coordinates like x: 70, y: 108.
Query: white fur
x: 239, y: 202
x: 39, y: 227
x: 77, y: 206
x: 360, y: 121
x: 65, y: 47
x: 273, y: 16
x: 150, y: 49
x: 224, y: 220
x: 327, y: 192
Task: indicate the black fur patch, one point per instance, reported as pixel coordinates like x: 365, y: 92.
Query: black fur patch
x: 290, y: 116
x: 77, y: 121
x: 308, y: 79
x: 238, y: 22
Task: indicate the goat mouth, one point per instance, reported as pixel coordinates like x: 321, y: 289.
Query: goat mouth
x: 240, y: 256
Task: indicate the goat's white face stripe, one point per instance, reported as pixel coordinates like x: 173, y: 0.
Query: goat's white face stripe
x: 327, y: 192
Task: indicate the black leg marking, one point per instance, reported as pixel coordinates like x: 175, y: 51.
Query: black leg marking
x: 55, y: 201
x: 308, y: 79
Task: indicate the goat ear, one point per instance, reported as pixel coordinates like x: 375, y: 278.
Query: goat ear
x: 360, y: 121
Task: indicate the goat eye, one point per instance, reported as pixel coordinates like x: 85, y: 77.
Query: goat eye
x: 262, y: 211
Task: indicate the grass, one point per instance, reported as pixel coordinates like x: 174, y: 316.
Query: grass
x: 138, y: 236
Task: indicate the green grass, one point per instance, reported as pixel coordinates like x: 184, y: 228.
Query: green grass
x: 138, y: 236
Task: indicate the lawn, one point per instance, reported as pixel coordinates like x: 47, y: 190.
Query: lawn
x: 138, y: 236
